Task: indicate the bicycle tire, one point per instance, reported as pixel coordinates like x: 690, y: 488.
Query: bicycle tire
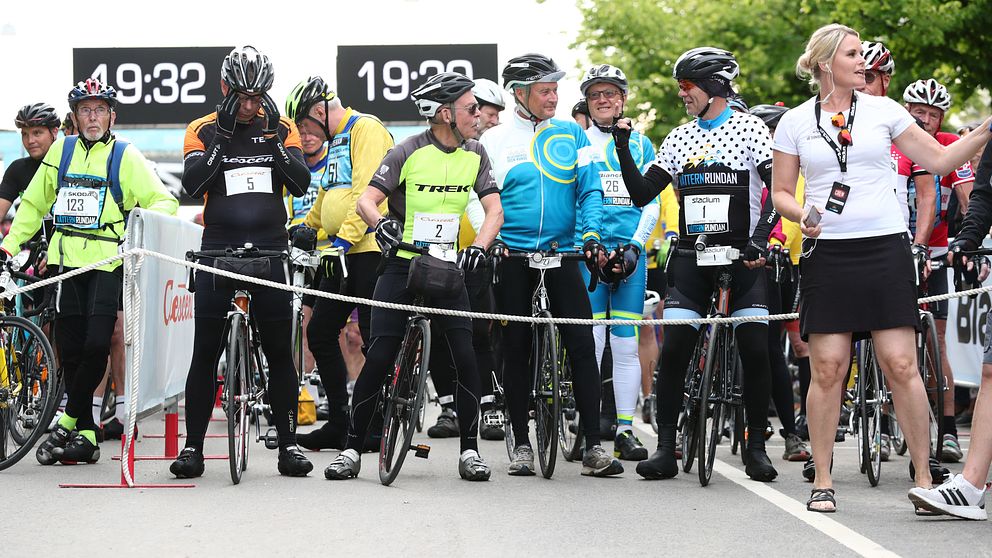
x: 236, y: 395
x: 654, y: 398
x: 109, y: 408
x: 404, y: 397
x: 569, y: 427
x: 31, y: 387
x: 710, y: 408
x: 690, y: 407
x: 932, y: 374
x: 870, y: 390
x: 547, y: 402
x: 738, y: 441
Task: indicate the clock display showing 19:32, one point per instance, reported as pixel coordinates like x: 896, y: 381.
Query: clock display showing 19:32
x: 156, y: 85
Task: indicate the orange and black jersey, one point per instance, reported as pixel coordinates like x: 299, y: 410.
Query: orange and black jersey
x: 241, y: 180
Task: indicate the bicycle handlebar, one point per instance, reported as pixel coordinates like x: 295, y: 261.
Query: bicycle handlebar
x: 538, y: 255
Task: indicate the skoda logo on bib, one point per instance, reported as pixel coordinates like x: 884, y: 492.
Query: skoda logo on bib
x: 79, y: 207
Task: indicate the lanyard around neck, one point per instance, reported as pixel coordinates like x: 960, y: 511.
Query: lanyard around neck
x: 839, y: 151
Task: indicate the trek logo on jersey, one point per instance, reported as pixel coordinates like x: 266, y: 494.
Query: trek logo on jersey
x: 249, y: 160
x: 446, y: 189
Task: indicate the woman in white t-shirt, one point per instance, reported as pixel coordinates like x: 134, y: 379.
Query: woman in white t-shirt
x: 857, y: 274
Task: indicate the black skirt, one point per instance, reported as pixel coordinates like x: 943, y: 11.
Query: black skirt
x: 857, y: 286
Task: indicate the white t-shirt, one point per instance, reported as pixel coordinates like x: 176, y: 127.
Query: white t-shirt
x: 871, y: 208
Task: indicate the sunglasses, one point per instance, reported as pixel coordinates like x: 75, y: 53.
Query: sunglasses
x: 844, y: 136
x: 471, y: 109
x: 686, y: 85
x: 608, y: 94
x: 871, y: 76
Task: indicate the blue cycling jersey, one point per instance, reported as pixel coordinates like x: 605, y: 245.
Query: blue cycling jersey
x: 544, y: 172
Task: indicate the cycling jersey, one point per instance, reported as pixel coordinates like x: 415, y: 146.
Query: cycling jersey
x: 298, y: 207
x: 667, y: 225
x: 623, y: 222
x: 83, y: 197
x: 354, y: 151
x: 243, y: 201
x: 428, y: 185
x: 945, y: 187
x: 544, y: 173
x: 717, y: 166
x: 905, y: 187
x: 17, y: 177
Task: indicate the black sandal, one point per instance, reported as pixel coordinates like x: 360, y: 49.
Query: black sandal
x: 821, y: 495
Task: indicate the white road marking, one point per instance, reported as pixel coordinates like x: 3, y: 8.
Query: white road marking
x: 821, y: 522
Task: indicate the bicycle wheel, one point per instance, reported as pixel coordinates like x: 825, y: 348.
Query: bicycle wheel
x: 29, y: 387
x: 404, y: 398
x: 710, y: 418
x: 928, y: 360
x: 547, y: 402
x: 690, y: 410
x: 237, y: 395
x: 870, y: 396
x: 569, y: 429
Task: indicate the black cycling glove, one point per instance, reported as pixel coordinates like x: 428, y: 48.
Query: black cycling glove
x: 388, y: 233
x: 471, y: 258
x: 594, y: 248
x: 754, y: 251
x: 227, y: 114
x: 497, y: 251
x: 271, y: 126
x: 621, y: 137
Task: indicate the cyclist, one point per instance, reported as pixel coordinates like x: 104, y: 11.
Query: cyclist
x: 626, y: 227
x: 39, y: 127
x: 426, y: 179
x: 68, y: 126
x: 963, y: 495
x: 356, y: 144
x: 239, y: 159
x: 480, y: 297
x: 542, y: 165
x: 927, y: 101
x: 719, y: 161
x: 76, y: 187
x: 580, y: 114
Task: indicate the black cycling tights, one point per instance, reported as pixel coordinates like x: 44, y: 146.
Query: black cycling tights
x: 379, y: 360
x: 201, y: 383
x: 781, y: 380
x: 752, y: 344
x: 84, y: 345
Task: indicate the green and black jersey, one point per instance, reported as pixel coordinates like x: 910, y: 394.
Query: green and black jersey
x: 428, y: 187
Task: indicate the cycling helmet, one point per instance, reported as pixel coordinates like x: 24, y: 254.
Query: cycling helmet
x: 877, y: 57
x: 928, y: 92
x: 305, y: 95
x: 92, y: 89
x: 248, y: 71
x: 440, y: 89
x: 38, y: 114
x: 528, y: 69
x: 487, y: 92
x: 582, y: 107
x: 706, y: 63
x: 769, y: 114
x: 68, y: 126
x: 603, y: 73
x: 651, y: 302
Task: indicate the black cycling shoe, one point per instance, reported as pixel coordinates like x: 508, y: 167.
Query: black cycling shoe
x: 293, y: 463
x: 662, y: 464
x: 80, y: 450
x: 938, y: 473
x: 331, y: 435
x: 50, y: 450
x: 809, y: 468
x: 759, y: 467
x: 627, y: 447
x: 113, y: 430
x: 188, y: 465
x: 802, y: 428
x: 446, y: 426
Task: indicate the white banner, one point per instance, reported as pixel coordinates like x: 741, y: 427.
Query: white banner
x: 965, y: 337
x: 166, y: 325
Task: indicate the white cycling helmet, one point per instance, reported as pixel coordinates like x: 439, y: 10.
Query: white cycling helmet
x: 487, y: 92
x: 603, y: 73
x: 928, y: 92
x: 651, y: 302
x: 877, y: 57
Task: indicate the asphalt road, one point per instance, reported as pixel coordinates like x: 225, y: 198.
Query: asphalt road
x: 429, y: 510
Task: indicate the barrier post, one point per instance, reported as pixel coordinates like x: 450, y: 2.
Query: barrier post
x: 172, y: 432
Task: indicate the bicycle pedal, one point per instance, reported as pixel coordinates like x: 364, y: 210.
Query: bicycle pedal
x: 271, y: 439
x: 421, y: 450
x: 494, y: 418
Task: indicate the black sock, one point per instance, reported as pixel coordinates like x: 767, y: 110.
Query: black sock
x: 950, y: 427
x: 804, y: 379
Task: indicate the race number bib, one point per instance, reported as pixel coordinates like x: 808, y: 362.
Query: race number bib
x: 248, y: 180
x: 435, y: 229
x: 614, y: 189
x: 707, y: 213
x: 717, y: 255
x: 78, y: 207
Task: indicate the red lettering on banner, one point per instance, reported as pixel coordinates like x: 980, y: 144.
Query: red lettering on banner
x: 176, y: 307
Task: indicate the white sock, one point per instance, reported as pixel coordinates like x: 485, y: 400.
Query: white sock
x: 970, y: 491
x: 97, y: 407
x: 119, y: 409
x: 626, y: 379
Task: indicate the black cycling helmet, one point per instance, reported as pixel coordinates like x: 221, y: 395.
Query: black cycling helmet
x: 530, y: 68
x: 248, y: 71
x: 92, y: 89
x: 38, y: 114
x: 440, y: 89
x: 68, y: 126
x: 769, y: 114
x: 305, y: 95
x: 706, y: 63
x: 582, y: 107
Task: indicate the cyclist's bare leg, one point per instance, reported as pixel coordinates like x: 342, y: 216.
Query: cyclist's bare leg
x: 830, y: 358
x: 976, y: 467
x: 647, y: 351
x: 308, y: 361
x: 945, y: 366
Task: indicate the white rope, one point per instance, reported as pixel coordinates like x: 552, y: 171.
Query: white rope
x: 132, y: 321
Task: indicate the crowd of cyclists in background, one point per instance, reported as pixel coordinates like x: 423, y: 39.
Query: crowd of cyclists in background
x: 497, y: 172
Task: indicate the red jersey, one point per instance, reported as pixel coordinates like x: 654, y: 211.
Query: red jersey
x: 945, y: 187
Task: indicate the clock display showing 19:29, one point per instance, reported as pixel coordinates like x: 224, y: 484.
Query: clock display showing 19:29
x: 171, y: 85
x: 379, y: 79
